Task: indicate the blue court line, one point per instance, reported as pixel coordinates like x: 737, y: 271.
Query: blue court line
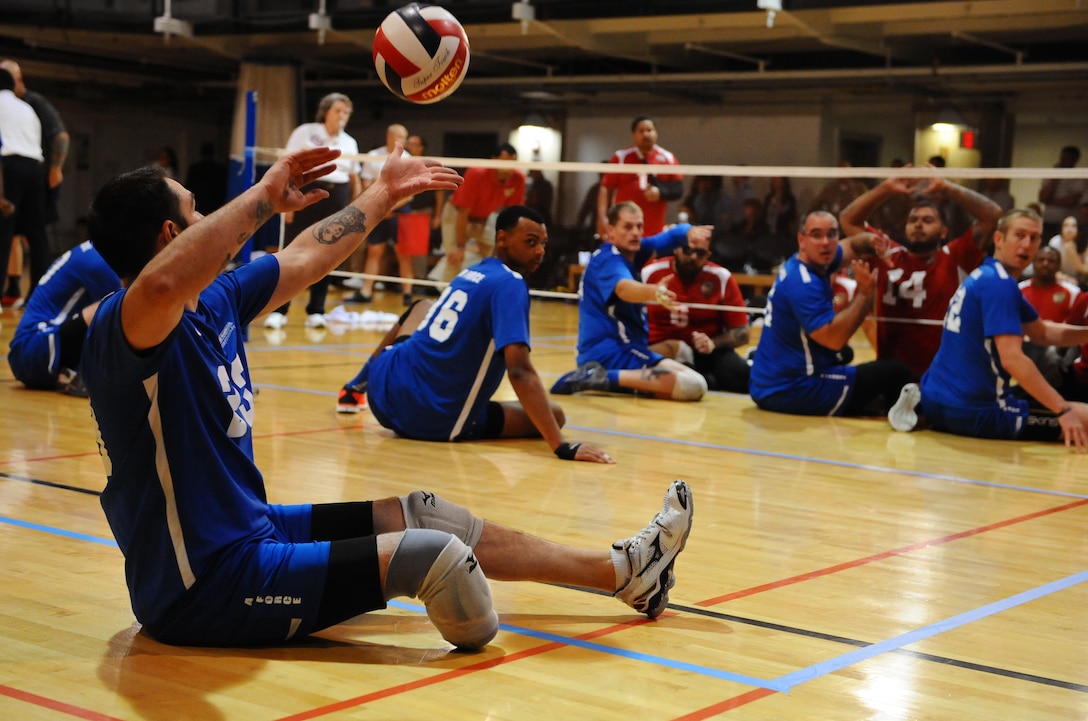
x: 828, y: 462
x: 783, y: 684
x: 863, y: 654
x: 624, y: 653
x: 59, y: 531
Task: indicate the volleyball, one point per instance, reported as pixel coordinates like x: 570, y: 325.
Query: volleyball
x: 421, y: 53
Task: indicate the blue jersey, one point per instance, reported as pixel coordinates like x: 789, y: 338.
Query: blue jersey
x: 966, y: 373
x: 608, y: 325
x: 436, y: 384
x: 800, y: 302
x: 74, y: 281
x: 175, y: 433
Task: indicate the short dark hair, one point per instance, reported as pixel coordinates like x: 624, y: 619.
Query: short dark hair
x: 639, y: 119
x: 1072, y: 150
x: 126, y: 216
x: 509, y: 218
x: 506, y: 148
x: 936, y: 208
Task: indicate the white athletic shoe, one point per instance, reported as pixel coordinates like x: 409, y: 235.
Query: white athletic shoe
x: 275, y: 320
x: 315, y: 320
x: 355, y: 283
x: 902, y: 415
x: 651, y: 554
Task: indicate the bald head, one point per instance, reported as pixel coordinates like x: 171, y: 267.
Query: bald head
x: 16, y: 73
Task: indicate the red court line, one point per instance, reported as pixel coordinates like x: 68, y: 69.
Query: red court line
x: 727, y: 705
x: 54, y: 705
x: 456, y: 673
x: 887, y: 554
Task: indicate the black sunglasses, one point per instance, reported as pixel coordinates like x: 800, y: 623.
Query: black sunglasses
x: 697, y: 252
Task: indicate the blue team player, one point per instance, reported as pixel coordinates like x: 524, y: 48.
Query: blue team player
x: 797, y: 368
x: 208, y: 560
x: 967, y: 390
x: 433, y: 375
x: 613, y: 336
x: 48, y: 342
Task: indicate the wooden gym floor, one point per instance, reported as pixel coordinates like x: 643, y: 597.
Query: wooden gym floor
x: 836, y: 569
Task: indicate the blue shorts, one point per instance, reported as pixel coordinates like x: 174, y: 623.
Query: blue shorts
x: 273, y: 591
x: 826, y: 394
x: 34, y: 358
x: 621, y: 357
x: 1002, y: 422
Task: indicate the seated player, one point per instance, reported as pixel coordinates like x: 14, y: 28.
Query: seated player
x: 711, y: 337
x: 46, y: 348
x: 433, y: 376
x: 613, y: 338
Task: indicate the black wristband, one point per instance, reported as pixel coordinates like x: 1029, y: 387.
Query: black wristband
x: 567, y: 451
x: 1063, y: 411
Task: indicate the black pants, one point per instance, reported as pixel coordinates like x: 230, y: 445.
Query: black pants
x: 339, y: 197
x: 877, y: 386
x: 24, y: 185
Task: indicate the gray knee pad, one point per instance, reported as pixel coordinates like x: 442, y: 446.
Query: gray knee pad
x: 426, y: 510
x: 442, y: 571
x: 690, y: 386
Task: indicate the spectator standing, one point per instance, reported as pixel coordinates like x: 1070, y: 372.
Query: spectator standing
x: 55, y: 143
x: 341, y: 185
x: 468, y: 219
x: 650, y: 191
x: 24, y: 180
x: 385, y: 232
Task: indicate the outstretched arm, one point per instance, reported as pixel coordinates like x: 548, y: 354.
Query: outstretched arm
x: 852, y: 218
x: 327, y: 243
x: 985, y: 212
x: 192, y: 259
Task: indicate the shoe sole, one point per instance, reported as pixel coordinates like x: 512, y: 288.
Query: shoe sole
x: 902, y: 415
x: 659, y: 601
x: 349, y: 409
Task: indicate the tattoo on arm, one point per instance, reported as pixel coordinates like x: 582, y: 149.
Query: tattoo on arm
x: 335, y: 227
x: 263, y: 212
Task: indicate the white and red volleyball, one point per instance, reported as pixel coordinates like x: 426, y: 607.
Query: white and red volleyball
x: 421, y: 53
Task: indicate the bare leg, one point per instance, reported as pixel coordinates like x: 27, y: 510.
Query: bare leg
x: 407, y: 273
x: 658, y: 381
x: 509, y: 555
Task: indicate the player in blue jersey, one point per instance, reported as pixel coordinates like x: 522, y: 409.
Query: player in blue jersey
x: 796, y: 368
x: 967, y: 388
x: 47, y: 345
x: 613, y: 336
x: 208, y: 560
x: 433, y: 376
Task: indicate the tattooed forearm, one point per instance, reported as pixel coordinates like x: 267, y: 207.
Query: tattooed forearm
x: 263, y: 212
x: 335, y: 227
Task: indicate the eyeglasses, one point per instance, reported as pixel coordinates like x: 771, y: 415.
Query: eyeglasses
x: 697, y: 252
x: 832, y: 234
